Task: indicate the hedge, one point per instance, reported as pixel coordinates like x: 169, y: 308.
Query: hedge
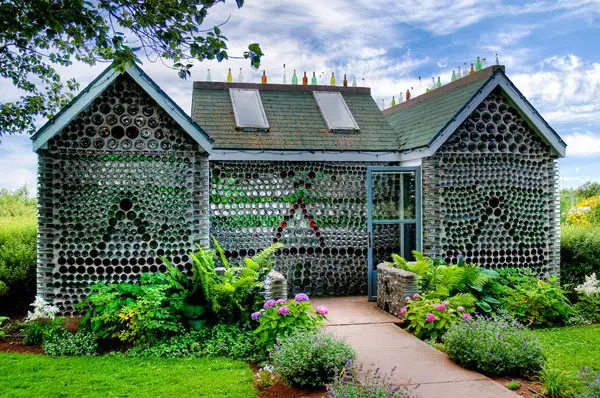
x: 579, y: 254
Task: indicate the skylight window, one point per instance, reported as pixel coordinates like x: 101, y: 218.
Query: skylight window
x: 335, y: 111
x: 248, y: 110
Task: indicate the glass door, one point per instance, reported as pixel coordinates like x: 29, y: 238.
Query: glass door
x: 394, y: 215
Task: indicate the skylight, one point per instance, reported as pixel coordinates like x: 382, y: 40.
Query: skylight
x: 248, y: 110
x: 335, y: 111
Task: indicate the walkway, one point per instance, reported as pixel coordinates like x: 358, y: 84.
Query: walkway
x: 380, y: 342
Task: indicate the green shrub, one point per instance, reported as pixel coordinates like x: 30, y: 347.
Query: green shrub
x: 513, y: 385
x: 222, y: 340
x: 2, y: 330
x: 579, y: 253
x: 18, y: 239
x: 497, y: 346
x: 429, y: 318
x: 71, y: 344
x: 281, y: 318
x: 40, y: 330
x: 588, y: 307
x: 533, y: 301
x: 310, y: 359
x: 352, y: 382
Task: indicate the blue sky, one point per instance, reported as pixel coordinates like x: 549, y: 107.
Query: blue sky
x: 550, y: 49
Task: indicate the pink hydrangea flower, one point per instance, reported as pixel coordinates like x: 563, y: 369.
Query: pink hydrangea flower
x: 283, y: 310
x: 322, y: 310
x: 270, y: 303
x: 466, y: 316
x: 430, y: 318
x: 439, y: 307
x: 416, y: 296
x: 450, y: 311
x: 403, y: 310
x: 281, y: 301
x: 446, y: 303
x: 460, y: 308
x: 301, y: 297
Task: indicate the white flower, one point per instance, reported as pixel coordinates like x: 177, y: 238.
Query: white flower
x: 590, y: 287
x: 42, y: 310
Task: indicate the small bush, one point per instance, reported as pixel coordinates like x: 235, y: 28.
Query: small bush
x: 2, y: 331
x: 372, y: 385
x: 282, y: 318
x: 591, y: 382
x: 533, y: 301
x: 38, y: 331
x: 513, y: 385
x: 310, y: 359
x: 71, y: 344
x: 497, y: 346
x: 429, y: 318
x: 554, y: 384
x: 18, y: 240
x: 579, y: 253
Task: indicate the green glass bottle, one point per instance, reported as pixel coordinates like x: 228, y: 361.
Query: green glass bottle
x: 439, y: 82
x: 478, y: 64
x: 294, y: 78
x: 313, y: 81
x: 453, y: 78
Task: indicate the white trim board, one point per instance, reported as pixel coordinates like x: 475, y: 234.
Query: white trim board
x: 98, y: 86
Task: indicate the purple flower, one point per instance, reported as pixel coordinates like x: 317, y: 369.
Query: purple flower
x: 430, y: 318
x: 460, y: 308
x: 255, y: 315
x: 283, y: 310
x: 322, y: 310
x: 300, y: 297
x: 403, y: 310
x: 270, y: 303
x: 466, y: 316
x: 439, y: 307
x: 416, y: 296
x: 281, y: 301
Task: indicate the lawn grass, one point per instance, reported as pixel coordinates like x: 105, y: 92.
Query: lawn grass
x: 570, y: 348
x: 23, y: 375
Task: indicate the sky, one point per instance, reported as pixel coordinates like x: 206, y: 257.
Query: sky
x: 550, y: 49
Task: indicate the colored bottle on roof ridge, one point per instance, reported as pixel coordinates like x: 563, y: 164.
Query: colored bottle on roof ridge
x: 263, y: 80
x: 332, y: 80
x: 208, y: 76
x: 313, y: 81
x: 472, y: 70
x: 354, y: 81
x: 439, y: 82
x: 453, y: 78
x: 294, y: 78
x: 345, y: 81
x: 393, y: 101
x: 229, y: 76
x: 305, y: 80
x: 407, y: 94
x: 478, y: 65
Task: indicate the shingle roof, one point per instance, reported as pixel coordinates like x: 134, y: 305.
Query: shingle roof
x: 294, y: 119
x: 417, y: 122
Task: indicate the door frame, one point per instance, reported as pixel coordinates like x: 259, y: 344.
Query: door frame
x: 418, y: 221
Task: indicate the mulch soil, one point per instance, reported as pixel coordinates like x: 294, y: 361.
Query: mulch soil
x: 16, y: 345
x: 525, y: 389
x: 281, y: 390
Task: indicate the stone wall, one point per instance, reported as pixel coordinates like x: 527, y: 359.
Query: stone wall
x: 393, y: 286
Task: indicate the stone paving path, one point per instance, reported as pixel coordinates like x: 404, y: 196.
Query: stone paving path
x: 379, y: 342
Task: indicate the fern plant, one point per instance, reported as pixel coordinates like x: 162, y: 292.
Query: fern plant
x: 438, y: 279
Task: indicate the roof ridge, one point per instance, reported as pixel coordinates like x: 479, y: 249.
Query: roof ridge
x: 484, y: 73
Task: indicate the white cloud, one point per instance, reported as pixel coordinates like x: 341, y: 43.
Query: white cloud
x: 18, y: 163
x: 582, y: 144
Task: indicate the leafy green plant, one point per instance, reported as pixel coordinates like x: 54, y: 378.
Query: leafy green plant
x: 281, y: 318
x: 265, y: 377
x: 2, y: 331
x: 442, y: 280
x: 588, y: 307
x: 579, y: 253
x: 64, y: 343
x: 38, y: 331
x: 533, y: 301
x: 513, y: 385
x: 554, y: 384
x: 354, y: 382
x: 429, y: 318
x: 497, y: 346
x: 310, y: 359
